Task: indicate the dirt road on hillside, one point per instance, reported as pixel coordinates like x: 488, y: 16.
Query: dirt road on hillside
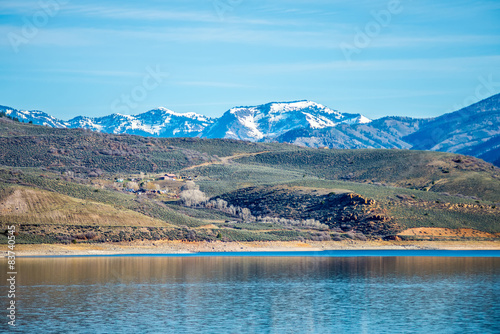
x: 225, y: 160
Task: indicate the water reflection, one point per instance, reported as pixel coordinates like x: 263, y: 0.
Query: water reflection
x: 259, y: 295
x: 67, y: 271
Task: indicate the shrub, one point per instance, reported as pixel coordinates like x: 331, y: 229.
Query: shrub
x: 336, y: 237
x: 321, y: 236
x: 355, y: 236
x: 90, y: 235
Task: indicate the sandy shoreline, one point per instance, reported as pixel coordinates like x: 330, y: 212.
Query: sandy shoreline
x: 179, y: 247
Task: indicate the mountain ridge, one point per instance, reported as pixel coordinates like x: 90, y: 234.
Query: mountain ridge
x: 267, y: 121
x: 471, y: 130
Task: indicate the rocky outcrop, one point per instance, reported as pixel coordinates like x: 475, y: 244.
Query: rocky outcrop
x: 345, y: 211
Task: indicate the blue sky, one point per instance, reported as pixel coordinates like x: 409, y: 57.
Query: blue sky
x: 413, y: 58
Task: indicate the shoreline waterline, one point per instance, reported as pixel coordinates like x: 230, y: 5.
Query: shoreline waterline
x: 326, y: 253
x: 179, y: 248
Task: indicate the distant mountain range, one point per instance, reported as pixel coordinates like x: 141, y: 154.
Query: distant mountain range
x: 269, y: 121
x: 474, y: 130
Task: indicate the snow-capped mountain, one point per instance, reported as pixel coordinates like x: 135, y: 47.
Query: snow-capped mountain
x: 271, y: 120
x: 474, y: 130
x: 35, y: 116
x: 259, y: 123
x: 160, y: 122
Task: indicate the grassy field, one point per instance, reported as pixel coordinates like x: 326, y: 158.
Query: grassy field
x: 115, y: 199
x: 219, y: 179
x: 21, y: 205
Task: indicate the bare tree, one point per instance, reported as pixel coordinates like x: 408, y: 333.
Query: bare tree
x: 133, y: 185
x: 193, y: 197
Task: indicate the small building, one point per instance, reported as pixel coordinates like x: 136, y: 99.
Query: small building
x: 171, y: 177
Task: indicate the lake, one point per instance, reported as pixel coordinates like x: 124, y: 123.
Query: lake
x: 337, y: 292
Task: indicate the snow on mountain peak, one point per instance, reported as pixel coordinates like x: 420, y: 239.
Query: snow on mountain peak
x: 278, y: 107
x: 254, y: 123
x: 363, y: 120
x: 268, y: 121
x: 318, y: 122
x: 191, y: 115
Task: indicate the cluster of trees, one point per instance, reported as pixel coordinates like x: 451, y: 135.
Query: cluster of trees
x: 221, y: 205
x: 135, y: 186
x: 3, y: 114
x: 321, y: 236
x: 15, y: 119
x: 192, y: 196
x: 355, y: 235
x: 307, y: 223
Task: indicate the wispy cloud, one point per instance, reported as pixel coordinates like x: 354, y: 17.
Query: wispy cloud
x: 239, y: 36
x: 443, y: 40
x: 211, y: 84
x: 140, y: 14
x: 100, y: 73
x: 453, y: 9
x: 97, y: 36
x: 433, y: 65
x: 63, y: 37
x: 98, y: 46
x: 164, y: 13
x: 11, y: 7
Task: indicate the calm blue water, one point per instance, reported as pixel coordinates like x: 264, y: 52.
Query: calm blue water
x: 326, y: 253
x: 258, y: 294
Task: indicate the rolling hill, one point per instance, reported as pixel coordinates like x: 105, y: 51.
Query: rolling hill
x: 63, y: 185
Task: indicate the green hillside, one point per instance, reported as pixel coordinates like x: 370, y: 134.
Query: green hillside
x: 423, y: 170
x: 71, y: 185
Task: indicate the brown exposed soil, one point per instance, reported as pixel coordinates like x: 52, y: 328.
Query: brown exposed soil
x: 15, y: 203
x: 36, y: 206
x: 447, y: 232
x: 170, y: 247
x: 409, y: 201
